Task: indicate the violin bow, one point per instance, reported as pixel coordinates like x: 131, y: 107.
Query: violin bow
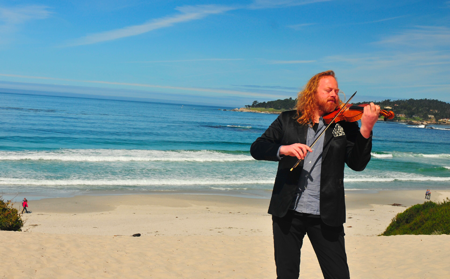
x: 339, y: 112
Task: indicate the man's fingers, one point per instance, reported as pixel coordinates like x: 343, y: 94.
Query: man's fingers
x: 302, y: 150
x: 302, y: 147
x: 306, y: 149
x: 375, y: 108
x: 296, y: 154
x: 296, y: 150
x: 299, y: 154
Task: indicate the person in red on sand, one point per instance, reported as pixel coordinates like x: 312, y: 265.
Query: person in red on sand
x: 25, y: 205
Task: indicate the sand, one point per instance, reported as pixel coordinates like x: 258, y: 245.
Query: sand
x: 204, y: 236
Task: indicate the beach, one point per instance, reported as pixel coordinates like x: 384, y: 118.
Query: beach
x: 205, y: 236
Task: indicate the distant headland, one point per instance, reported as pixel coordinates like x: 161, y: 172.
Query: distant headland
x: 411, y: 111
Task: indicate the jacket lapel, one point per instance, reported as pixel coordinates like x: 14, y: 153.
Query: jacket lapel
x: 301, y: 133
x: 328, y: 138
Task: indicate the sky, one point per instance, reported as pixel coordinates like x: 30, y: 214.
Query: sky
x: 224, y: 53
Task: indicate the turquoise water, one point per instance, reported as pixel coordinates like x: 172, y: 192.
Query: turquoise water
x: 58, y: 146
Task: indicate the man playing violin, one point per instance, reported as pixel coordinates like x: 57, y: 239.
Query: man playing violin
x: 310, y: 199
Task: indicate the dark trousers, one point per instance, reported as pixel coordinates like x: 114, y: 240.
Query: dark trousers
x: 328, y: 243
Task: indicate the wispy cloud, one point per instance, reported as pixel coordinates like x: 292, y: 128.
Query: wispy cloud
x: 420, y: 37
x: 300, y: 26
x: 177, y: 88
x: 383, y: 61
x: 11, y: 17
x: 412, y: 63
x: 104, y: 5
x: 393, y: 68
x: 191, y: 60
x: 269, y: 87
x: 275, y: 90
x: 267, y: 4
x: 188, y: 13
x: 291, y: 61
x: 383, y: 19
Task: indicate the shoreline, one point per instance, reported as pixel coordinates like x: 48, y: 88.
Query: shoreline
x: 36, y: 196
x: 362, y: 208
x: 237, y: 193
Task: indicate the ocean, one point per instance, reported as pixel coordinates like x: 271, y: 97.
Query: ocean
x: 64, y: 146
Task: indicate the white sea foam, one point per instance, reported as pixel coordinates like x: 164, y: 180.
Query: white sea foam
x: 391, y: 179
x: 417, y: 126
x: 106, y: 155
x: 131, y: 182
x: 114, y: 155
x: 390, y: 176
x: 440, y: 128
x: 436, y: 155
x: 383, y: 156
x: 190, y: 182
x: 239, y: 126
x: 227, y: 189
x: 396, y: 154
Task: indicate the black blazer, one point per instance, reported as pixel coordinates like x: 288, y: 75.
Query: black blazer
x: 340, y: 147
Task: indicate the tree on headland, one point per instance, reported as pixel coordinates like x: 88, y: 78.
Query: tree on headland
x: 286, y: 104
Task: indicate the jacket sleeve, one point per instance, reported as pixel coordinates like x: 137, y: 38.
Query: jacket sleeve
x: 358, y: 148
x: 266, y: 146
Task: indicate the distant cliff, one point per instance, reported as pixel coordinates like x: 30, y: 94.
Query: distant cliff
x: 281, y: 105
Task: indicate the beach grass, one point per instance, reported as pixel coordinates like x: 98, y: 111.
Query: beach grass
x: 10, y: 219
x: 427, y: 218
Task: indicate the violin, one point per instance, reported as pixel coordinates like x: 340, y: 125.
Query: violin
x: 351, y: 113
x: 345, y: 112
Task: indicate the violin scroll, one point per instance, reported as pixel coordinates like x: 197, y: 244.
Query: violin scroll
x: 387, y: 114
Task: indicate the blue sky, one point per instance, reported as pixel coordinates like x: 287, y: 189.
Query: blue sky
x: 225, y: 53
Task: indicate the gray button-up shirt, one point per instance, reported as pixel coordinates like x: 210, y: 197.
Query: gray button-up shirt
x: 307, y: 199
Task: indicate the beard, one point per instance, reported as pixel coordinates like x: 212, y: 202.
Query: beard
x: 327, y: 105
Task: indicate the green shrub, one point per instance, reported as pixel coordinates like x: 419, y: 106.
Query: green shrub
x: 10, y: 219
x: 426, y: 218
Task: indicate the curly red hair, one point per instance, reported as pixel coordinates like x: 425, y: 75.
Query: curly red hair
x: 306, y: 100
